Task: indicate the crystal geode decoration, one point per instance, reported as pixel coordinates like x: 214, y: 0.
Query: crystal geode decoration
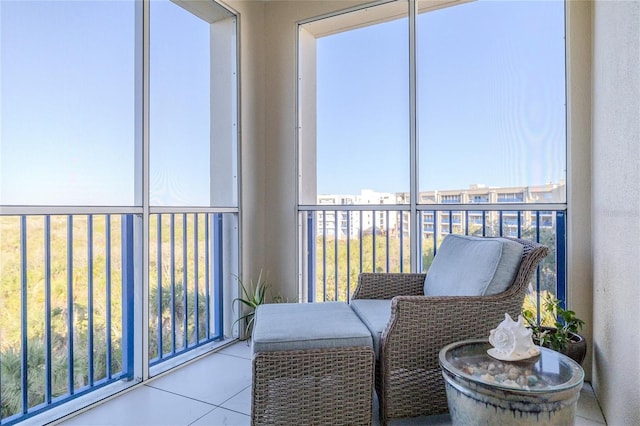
x: 512, y: 341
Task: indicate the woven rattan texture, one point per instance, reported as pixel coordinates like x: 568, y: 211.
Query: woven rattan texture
x: 408, y: 377
x: 313, y: 387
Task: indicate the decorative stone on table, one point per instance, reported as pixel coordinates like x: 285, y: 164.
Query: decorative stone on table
x: 512, y: 341
x: 482, y: 390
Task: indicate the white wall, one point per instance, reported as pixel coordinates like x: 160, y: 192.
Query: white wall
x: 579, y: 259
x: 616, y: 209
x: 252, y: 136
x: 268, y: 135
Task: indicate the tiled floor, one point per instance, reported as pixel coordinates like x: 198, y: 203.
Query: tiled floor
x: 215, y: 390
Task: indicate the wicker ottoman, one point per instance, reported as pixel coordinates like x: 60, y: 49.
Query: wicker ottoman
x: 313, y: 364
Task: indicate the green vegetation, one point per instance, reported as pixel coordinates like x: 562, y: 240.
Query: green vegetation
x: 61, y: 310
x: 347, y: 272
x: 554, y: 316
x: 253, y: 295
x: 61, y: 293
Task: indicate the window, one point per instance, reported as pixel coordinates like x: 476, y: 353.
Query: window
x: 483, y: 123
x: 80, y: 211
x: 491, y: 95
x: 361, y: 103
x: 68, y: 102
x: 192, y: 86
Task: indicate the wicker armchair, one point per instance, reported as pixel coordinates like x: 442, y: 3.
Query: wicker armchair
x: 409, y: 381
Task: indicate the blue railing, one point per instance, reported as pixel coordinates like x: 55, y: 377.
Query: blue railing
x: 335, y: 256
x: 67, y: 300
x: 185, y: 283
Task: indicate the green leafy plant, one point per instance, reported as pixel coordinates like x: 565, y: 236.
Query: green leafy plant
x: 564, y: 323
x: 253, y: 295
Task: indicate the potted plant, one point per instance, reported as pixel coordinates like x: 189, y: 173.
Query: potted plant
x: 252, y: 296
x: 557, y: 328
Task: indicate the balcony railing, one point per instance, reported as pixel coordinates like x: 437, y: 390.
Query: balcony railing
x: 185, y: 283
x: 67, y: 297
x: 335, y: 256
x: 67, y: 294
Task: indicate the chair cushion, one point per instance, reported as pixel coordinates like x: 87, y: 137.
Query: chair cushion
x: 301, y: 326
x: 473, y: 266
x: 375, y: 315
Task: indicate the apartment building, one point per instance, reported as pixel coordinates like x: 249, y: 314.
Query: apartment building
x: 453, y: 213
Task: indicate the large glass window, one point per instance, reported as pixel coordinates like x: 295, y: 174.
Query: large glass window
x: 491, y: 97
x: 410, y: 111
x: 67, y: 99
x: 192, y: 102
x: 361, y: 138
x: 90, y: 237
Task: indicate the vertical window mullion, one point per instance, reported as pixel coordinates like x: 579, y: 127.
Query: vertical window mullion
x: 413, y: 140
x: 142, y: 160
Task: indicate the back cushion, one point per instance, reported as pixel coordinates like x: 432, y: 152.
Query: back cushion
x: 473, y: 266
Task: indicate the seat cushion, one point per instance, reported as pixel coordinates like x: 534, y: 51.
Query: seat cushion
x: 473, y: 266
x: 375, y: 315
x: 301, y: 326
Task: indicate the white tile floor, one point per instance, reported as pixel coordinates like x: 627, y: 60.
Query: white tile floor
x: 215, y: 390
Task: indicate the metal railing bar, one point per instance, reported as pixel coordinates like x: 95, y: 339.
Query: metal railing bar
x: 66, y: 210
x: 421, y: 218
x: 484, y: 223
x: 387, y: 234
x: 159, y: 281
x: 373, y: 240
x: 435, y: 231
x: 311, y: 255
x: 195, y: 276
x: 107, y: 227
x: 70, y: 363
x: 173, y: 282
x: 561, y: 258
x: 348, y: 257
x: 435, y: 207
x: 185, y: 287
x: 24, y: 350
x: 47, y: 309
x: 466, y: 222
x: 207, y: 281
x: 128, y: 262
x: 90, y: 361
x: 182, y: 210
x: 401, y: 220
x: 360, y: 235
x: 324, y: 255
x: 335, y: 253
x: 219, y: 274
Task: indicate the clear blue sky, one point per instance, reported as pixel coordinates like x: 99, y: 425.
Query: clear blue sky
x: 67, y: 86
x: 490, y: 91
x: 67, y: 109
x: 490, y: 100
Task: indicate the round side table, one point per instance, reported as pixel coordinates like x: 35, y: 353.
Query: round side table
x: 482, y: 390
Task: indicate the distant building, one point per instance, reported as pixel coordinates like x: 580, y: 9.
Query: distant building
x: 353, y: 223
x: 437, y: 221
